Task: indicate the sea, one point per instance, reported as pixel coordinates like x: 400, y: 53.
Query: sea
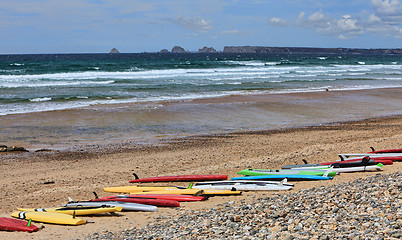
x: 47, y: 83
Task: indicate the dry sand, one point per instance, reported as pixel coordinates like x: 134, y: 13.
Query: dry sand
x: 78, y: 173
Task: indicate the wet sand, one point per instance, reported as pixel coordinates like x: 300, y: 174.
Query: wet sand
x: 144, y: 122
x: 80, y: 170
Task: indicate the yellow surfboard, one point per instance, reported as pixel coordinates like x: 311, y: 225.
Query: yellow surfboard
x: 49, y: 217
x: 196, y: 192
x: 74, y: 210
x: 213, y: 192
x: 168, y: 190
x: 133, y: 189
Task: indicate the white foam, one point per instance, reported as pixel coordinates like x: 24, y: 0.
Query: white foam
x: 43, y: 99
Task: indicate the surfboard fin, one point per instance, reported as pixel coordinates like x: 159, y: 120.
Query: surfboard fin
x: 327, y: 172
x: 305, y: 161
x: 365, y: 160
x: 372, y: 149
x: 29, y: 222
x: 284, y: 181
x: 234, y: 188
x: 136, y: 176
x: 96, y: 195
x: 70, y: 199
x: 342, y: 158
x: 190, y: 186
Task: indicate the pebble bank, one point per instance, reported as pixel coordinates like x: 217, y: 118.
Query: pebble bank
x: 365, y: 208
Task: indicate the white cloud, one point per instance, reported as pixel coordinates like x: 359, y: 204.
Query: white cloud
x: 373, y: 19
x: 387, y: 18
x: 232, y: 32
x: 344, y: 27
x: 277, y: 22
x: 195, y: 23
x: 387, y: 7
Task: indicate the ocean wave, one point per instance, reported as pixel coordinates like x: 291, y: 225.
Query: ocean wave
x: 43, y: 104
x: 43, y: 99
x: 253, y: 68
x: 34, y: 84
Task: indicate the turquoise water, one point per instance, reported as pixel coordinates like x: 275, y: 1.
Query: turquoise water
x: 37, y: 83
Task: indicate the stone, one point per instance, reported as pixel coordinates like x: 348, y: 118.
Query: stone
x: 178, y: 49
x: 207, y: 50
x: 114, y: 50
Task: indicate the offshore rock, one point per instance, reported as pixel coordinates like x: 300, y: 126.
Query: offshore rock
x: 164, y: 51
x: 307, y: 50
x: 207, y: 50
x: 114, y: 50
x: 178, y: 49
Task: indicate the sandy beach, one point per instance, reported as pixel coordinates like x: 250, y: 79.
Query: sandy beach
x: 78, y: 172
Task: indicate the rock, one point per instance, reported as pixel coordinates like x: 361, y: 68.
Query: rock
x: 178, y: 49
x: 306, y: 50
x: 114, y: 50
x: 16, y: 149
x: 207, y: 50
x: 164, y: 51
x: 3, y: 148
x: 44, y: 150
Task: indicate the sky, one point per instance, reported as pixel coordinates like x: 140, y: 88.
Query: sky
x: 131, y: 26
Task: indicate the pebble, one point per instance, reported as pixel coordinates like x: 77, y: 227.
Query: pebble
x: 365, y: 208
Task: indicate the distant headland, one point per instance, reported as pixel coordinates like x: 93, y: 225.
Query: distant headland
x: 284, y: 50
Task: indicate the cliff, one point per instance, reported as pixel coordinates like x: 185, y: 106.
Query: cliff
x: 305, y: 50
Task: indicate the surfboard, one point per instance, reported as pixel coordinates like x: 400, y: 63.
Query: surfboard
x: 179, y: 178
x: 346, y: 169
x: 244, y: 185
x: 78, y: 210
x: 11, y: 224
x: 397, y: 150
x: 49, y: 217
x: 138, y: 190
x: 197, y: 192
x: 126, y: 206
x: 281, y: 177
x: 140, y: 200
x: 257, y: 172
x: 175, y: 197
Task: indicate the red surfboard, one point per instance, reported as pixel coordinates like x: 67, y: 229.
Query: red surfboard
x: 141, y: 200
x: 179, y: 198
x: 179, y: 178
x: 399, y: 150
x: 382, y: 161
x: 11, y: 224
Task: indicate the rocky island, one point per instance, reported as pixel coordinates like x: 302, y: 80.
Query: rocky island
x: 307, y: 50
x: 289, y: 50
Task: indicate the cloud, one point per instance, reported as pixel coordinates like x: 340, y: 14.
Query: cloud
x: 195, y: 23
x: 277, y: 22
x: 232, y: 32
x: 344, y: 27
x: 387, y: 7
x: 386, y: 19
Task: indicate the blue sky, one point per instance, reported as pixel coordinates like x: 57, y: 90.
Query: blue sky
x: 96, y: 26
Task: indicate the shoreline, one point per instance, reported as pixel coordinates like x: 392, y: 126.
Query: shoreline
x: 149, y: 122
x: 128, y: 146
x: 78, y: 173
